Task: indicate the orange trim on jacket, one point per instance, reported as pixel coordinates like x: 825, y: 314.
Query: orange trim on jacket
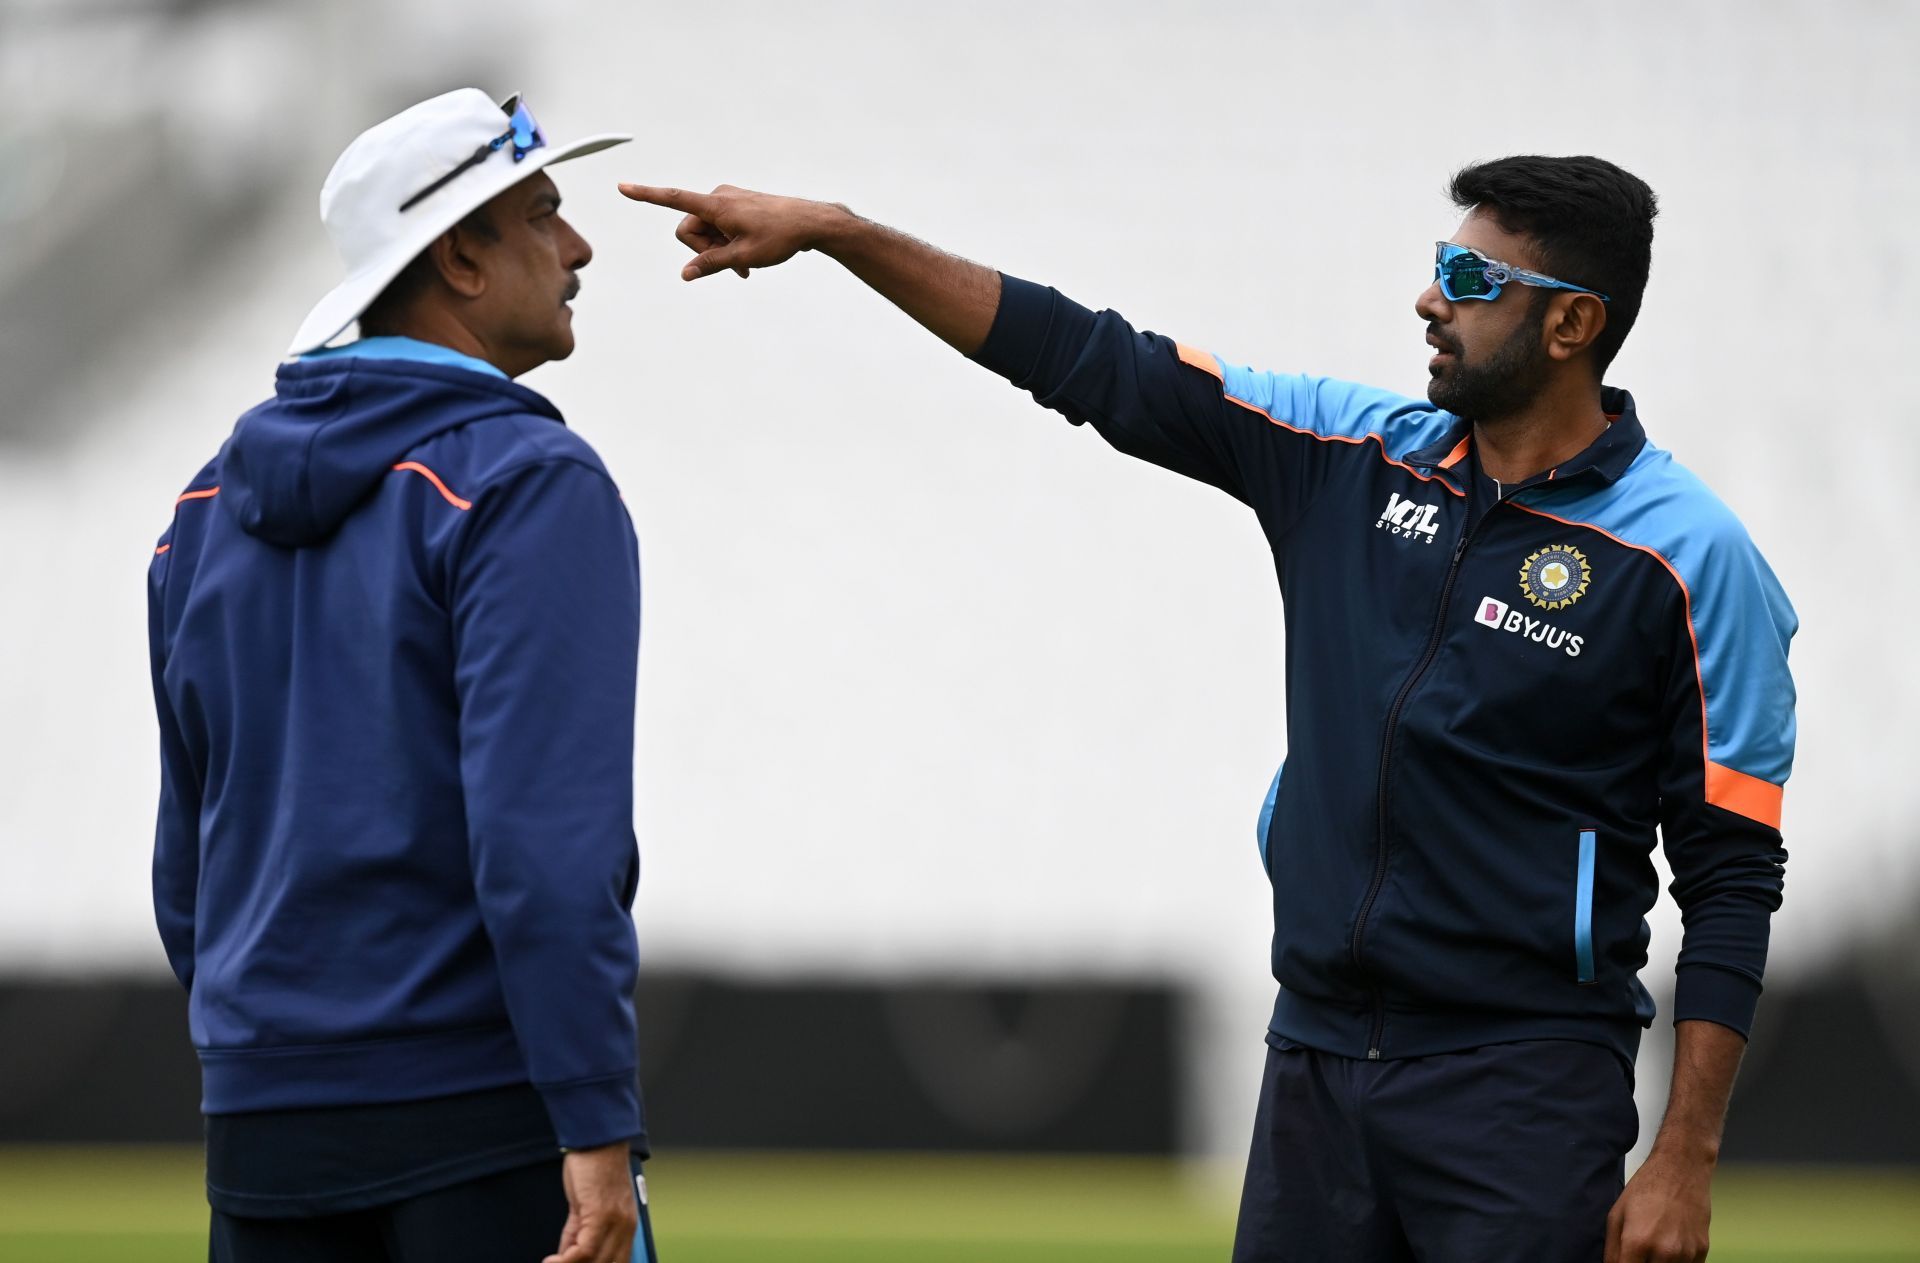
x: 452, y: 499
x: 1202, y: 360
x: 1744, y: 795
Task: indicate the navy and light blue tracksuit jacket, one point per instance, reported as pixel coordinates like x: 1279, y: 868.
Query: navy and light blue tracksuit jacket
x: 394, y: 626
x: 1490, y: 716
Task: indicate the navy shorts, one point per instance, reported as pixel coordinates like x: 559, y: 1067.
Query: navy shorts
x: 511, y: 1216
x: 1507, y: 1152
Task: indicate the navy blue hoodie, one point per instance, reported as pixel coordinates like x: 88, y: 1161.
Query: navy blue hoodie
x: 394, y: 630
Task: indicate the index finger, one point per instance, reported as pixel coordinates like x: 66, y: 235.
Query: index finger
x: 673, y: 199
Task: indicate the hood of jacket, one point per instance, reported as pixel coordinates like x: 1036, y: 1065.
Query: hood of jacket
x: 298, y: 464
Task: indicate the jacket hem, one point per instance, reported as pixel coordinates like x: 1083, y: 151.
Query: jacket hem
x: 1343, y: 1029
x: 371, y: 1072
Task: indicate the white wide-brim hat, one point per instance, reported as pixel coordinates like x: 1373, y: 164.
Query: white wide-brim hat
x: 388, y: 165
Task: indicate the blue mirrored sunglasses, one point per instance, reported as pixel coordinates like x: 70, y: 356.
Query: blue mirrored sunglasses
x: 1466, y: 273
x: 522, y: 129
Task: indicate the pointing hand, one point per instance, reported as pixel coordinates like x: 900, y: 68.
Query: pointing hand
x: 739, y: 228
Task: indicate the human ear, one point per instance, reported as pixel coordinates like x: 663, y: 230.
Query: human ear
x: 456, y: 258
x: 1573, y: 322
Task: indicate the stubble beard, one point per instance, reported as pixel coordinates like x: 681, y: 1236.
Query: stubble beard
x: 1510, y: 378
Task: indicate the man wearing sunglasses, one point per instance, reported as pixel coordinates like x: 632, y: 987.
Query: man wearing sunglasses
x: 394, y: 626
x: 1521, y: 640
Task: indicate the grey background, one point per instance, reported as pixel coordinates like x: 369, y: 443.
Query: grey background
x: 932, y: 683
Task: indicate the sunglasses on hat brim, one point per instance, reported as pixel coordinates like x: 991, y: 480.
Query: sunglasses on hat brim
x: 522, y: 129
x: 1464, y: 272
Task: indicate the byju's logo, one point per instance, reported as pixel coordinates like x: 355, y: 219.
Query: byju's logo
x: 1496, y: 614
x: 1410, y: 520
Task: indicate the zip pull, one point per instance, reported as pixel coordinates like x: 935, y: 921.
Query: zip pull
x: 1460, y: 547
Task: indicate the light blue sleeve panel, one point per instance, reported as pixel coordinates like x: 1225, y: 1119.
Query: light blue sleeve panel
x: 1742, y: 622
x: 1266, y: 817
x: 1339, y: 411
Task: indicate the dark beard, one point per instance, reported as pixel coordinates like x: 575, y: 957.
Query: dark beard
x: 1507, y: 382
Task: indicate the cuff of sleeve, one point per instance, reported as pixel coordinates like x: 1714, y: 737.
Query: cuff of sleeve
x: 596, y: 1112
x: 1709, y: 993
x: 1019, y: 332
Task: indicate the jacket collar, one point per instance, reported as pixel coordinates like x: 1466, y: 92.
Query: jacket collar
x: 1607, y: 457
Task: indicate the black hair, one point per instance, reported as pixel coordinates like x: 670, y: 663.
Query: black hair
x: 386, y: 312
x: 1591, y: 222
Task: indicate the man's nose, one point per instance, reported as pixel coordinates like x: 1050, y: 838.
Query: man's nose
x: 579, y: 253
x: 1432, y: 305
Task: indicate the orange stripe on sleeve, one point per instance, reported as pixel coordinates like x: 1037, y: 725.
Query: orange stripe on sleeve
x: 205, y: 493
x: 1202, y: 360
x: 1744, y: 795
x: 163, y: 549
x: 452, y: 499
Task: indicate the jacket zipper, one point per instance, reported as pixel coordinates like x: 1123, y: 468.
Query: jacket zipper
x: 1358, y: 943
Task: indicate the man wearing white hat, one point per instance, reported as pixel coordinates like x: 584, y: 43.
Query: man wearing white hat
x: 394, y: 626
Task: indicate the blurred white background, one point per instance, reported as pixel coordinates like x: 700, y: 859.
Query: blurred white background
x: 933, y: 682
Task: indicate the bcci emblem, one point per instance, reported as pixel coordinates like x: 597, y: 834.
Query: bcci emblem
x: 1555, y: 577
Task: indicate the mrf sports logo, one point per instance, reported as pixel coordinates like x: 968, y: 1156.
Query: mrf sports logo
x: 1502, y: 617
x: 1409, y: 520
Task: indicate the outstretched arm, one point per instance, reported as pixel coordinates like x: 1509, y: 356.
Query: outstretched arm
x: 742, y: 230
x: 1255, y: 436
